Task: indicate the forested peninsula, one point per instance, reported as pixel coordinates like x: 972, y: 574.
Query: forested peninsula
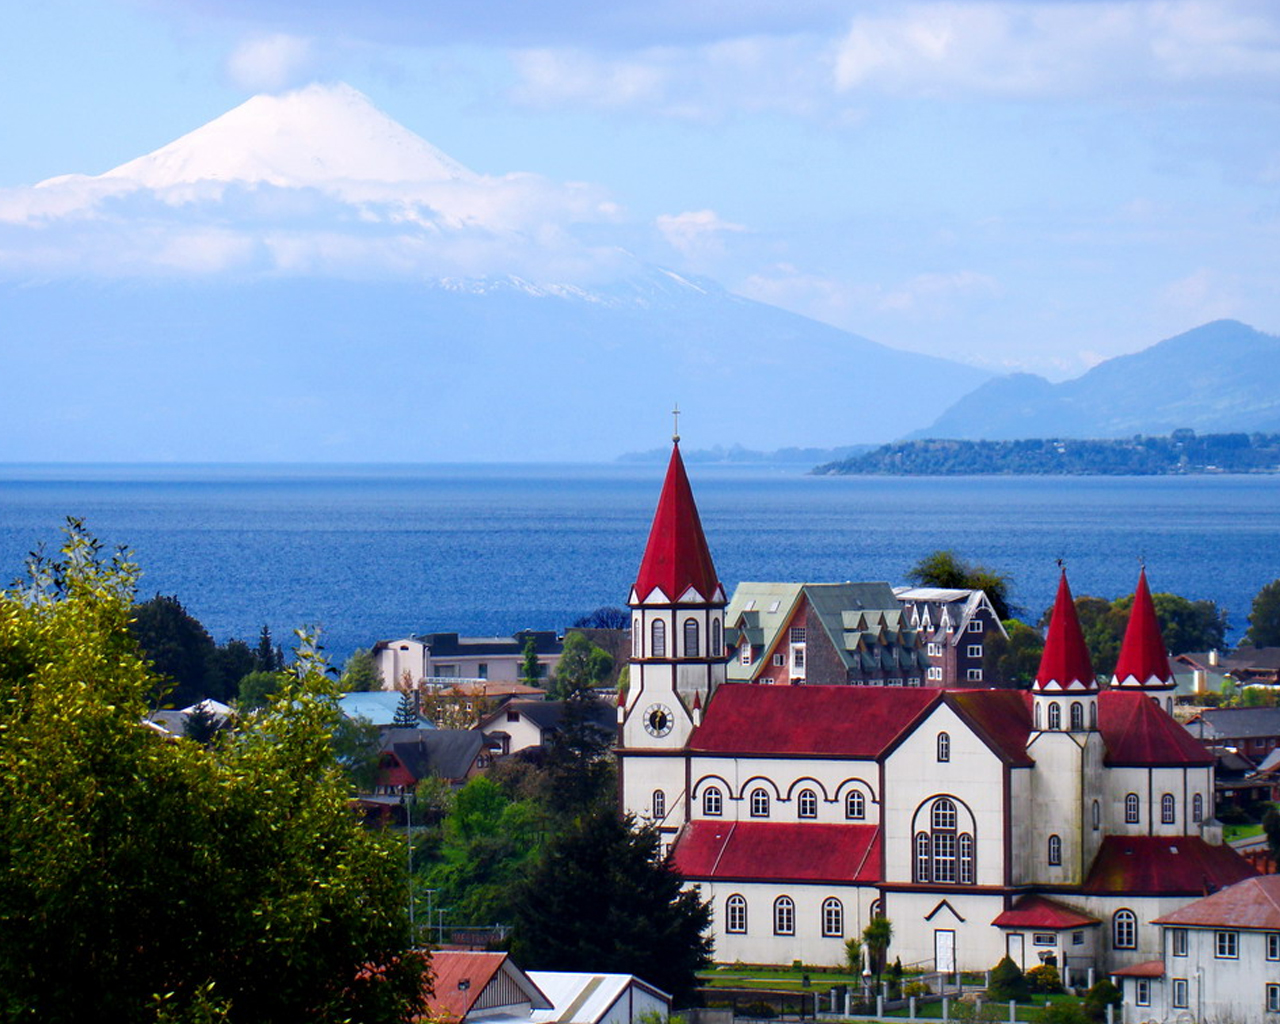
x: 1182, y: 452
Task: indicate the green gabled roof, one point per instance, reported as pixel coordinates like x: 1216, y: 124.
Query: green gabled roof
x: 764, y: 608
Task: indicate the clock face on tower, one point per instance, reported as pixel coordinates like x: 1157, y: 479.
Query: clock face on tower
x: 658, y: 720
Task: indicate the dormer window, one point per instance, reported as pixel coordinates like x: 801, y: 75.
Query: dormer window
x: 744, y: 656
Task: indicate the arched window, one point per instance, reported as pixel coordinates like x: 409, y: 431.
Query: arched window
x: 784, y: 916
x: 759, y: 803
x: 855, y: 805
x: 658, y: 643
x: 637, y: 634
x: 1124, y: 930
x: 832, y: 918
x: 1097, y: 816
x: 1093, y: 714
x: 944, y: 747
x: 1131, y: 809
x: 691, y: 646
x: 944, y: 814
x: 967, y: 866
x: 1168, y: 705
x: 659, y: 805
x: 735, y: 915
x: 1037, y: 711
x: 712, y: 804
x: 1055, y: 850
x: 922, y: 856
x: 717, y: 640
x: 807, y: 803
x: 1197, y: 808
x: 943, y: 840
x: 1077, y: 716
x: 1055, y: 716
x: 1168, y: 809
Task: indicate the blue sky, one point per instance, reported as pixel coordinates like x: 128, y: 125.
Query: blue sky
x: 1033, y: 185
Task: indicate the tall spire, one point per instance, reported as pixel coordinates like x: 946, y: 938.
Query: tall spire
x: 1065, y: 663
x: 1143, y: 660
x: 676, y: 557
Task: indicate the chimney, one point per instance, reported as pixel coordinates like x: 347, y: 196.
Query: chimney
x: 1200, y: 680
x: 1213, y: 658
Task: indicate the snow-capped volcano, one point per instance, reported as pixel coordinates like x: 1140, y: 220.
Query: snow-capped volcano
x: 312, y: 136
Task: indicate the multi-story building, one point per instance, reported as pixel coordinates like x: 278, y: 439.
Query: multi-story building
x: 955, y: 626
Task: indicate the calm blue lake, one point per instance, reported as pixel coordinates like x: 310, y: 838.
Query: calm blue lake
x: 373, y: 552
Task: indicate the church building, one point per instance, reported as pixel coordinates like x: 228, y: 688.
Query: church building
x: 981, y: 822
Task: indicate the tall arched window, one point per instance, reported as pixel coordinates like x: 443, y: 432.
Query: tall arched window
x: 1124, y: 930
x: 712, y: 804
x: 944, y: 747
x: 922, y: 856
x: 807, y: 803
x: 1097, y: 816
x: 832, y: 918
x: 659, y: 805
x: 1037, y: 713
x: 759, y: 803
x: 1055, y: 850
x: 1168, y: 809
x: 1077, y: 716
x: 691, y: 645
x: 637, y: 636
x: 967, y: 865
x: 658, y: 642
x: 855, y: 805
x: 943, y: 840
x: 1055, y: 716
x: 1197, y: 808
x: 1093, y: 714
x: 1131, y: 809
x: 735, y: 915
x: 717, y: 640
x: 784, y: 916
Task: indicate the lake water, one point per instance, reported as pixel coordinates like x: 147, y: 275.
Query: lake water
x: 375, y: 552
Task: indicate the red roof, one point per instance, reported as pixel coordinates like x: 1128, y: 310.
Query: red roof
x: 459, y: 977
x: 849, y: 721
x: 1146, y: 969
x: 1139, y: 733
x: 676, y: 557
x: 1143, y: 660
x: 1164, y: 866
x: 1253, y: 903
x: 1066, y: 658
x: 1000, y: 717
x: 1038, y: 912
x: 778, y: 851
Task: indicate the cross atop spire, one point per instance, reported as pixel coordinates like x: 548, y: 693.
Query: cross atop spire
x: 1065, y: 663
x: 676, y: 557
x: 675, y: 432
x: 1143, y: 661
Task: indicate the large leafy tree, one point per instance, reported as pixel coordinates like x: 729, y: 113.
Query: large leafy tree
x: 361, y: 672
x: 1264, y: 617
x: 638, y: 919
x: 947, y: 569
x: 582, y: 665
x: 1016, y: 660
x: 137, y: 868
x: 179, y: 649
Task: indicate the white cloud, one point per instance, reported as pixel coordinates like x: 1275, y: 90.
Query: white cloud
x: 696, y: 232
x: 271, y: 62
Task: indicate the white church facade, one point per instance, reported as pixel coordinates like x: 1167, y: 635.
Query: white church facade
x: 982, y: 823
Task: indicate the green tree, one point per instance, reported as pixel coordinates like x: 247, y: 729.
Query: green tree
x: 202, y: 725
x: 407, y: 711
x: 949, y: 570
x: 1264, y: 617
x: 1008, y: 983
x: 853, y: 955
x: 360, y: 674
x: 637, y: 919
x: 1271, y: 829
x: 178, y: 648
x: 530, y: 670
x: 181, y: 881
x: 608, y: 617
x: 357, y: 746
x: 580, y: 768
x: 229, y: 663
x: 1103, y: 994
x: 582, y: 666
x: 257, y: 688
x: 876, y: 937
x: 1014, y: 661
x: 267, y: 657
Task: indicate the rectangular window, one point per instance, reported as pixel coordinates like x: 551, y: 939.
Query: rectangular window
x: 1043, y: 939
x: 1273, y: 998
x: 975, y: 626
x: 779, y: 660
x: 1142, y: 992
x: 513, y: 716
x: 935, y: 650
x: 1273, y: 945
x: 973, y: 675
x: 797, y: 658
x: 1226, y: 945
x: 974, y: 650
x: 745, y: 655
x: 482, y: 670
x: 1178, y: 941
x: 797, y: 634
x: 1180, y: 993
x: 1077, y: 938
x: 935, y: 673
x: 447, y: 671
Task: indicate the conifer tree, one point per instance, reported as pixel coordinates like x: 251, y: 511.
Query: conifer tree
x: 407, y: 711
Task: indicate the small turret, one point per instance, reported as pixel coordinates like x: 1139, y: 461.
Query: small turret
x: 1143, y: 663
x: 1065, y: 689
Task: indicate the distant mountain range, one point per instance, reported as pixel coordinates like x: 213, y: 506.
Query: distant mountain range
x: 304, y: 279
x: 736, y: 455
x: 1221, y: 377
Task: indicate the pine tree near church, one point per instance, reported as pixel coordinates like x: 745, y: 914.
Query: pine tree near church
x: 406, y: 711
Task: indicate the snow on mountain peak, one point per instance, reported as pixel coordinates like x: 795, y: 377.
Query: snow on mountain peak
x: 316, y: 135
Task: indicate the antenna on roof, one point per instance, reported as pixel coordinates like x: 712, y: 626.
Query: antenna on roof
x: 675, y: 433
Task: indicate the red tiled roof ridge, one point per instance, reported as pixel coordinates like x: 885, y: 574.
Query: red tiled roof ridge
x: 1138, y: 732
x: 1065, y: 660
x: 1143, y: 659
x: 676, y: 556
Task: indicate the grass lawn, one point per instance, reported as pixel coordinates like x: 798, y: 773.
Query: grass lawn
x: 1233, y: 832
x: 1024, y: 1012
x: 782, y: 980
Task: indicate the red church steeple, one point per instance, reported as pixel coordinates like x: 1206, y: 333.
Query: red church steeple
x: 1065, y: 663
x: 1143, y: 661
x: 676, y: 557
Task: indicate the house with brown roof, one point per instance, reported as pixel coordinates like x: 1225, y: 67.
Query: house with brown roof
x: 1219, y: 960
x: 981, y: 822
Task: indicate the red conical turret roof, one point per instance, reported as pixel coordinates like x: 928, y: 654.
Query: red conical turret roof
x: 676, y: 557
x: 1143, y: 660
x: 1065, y: 662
